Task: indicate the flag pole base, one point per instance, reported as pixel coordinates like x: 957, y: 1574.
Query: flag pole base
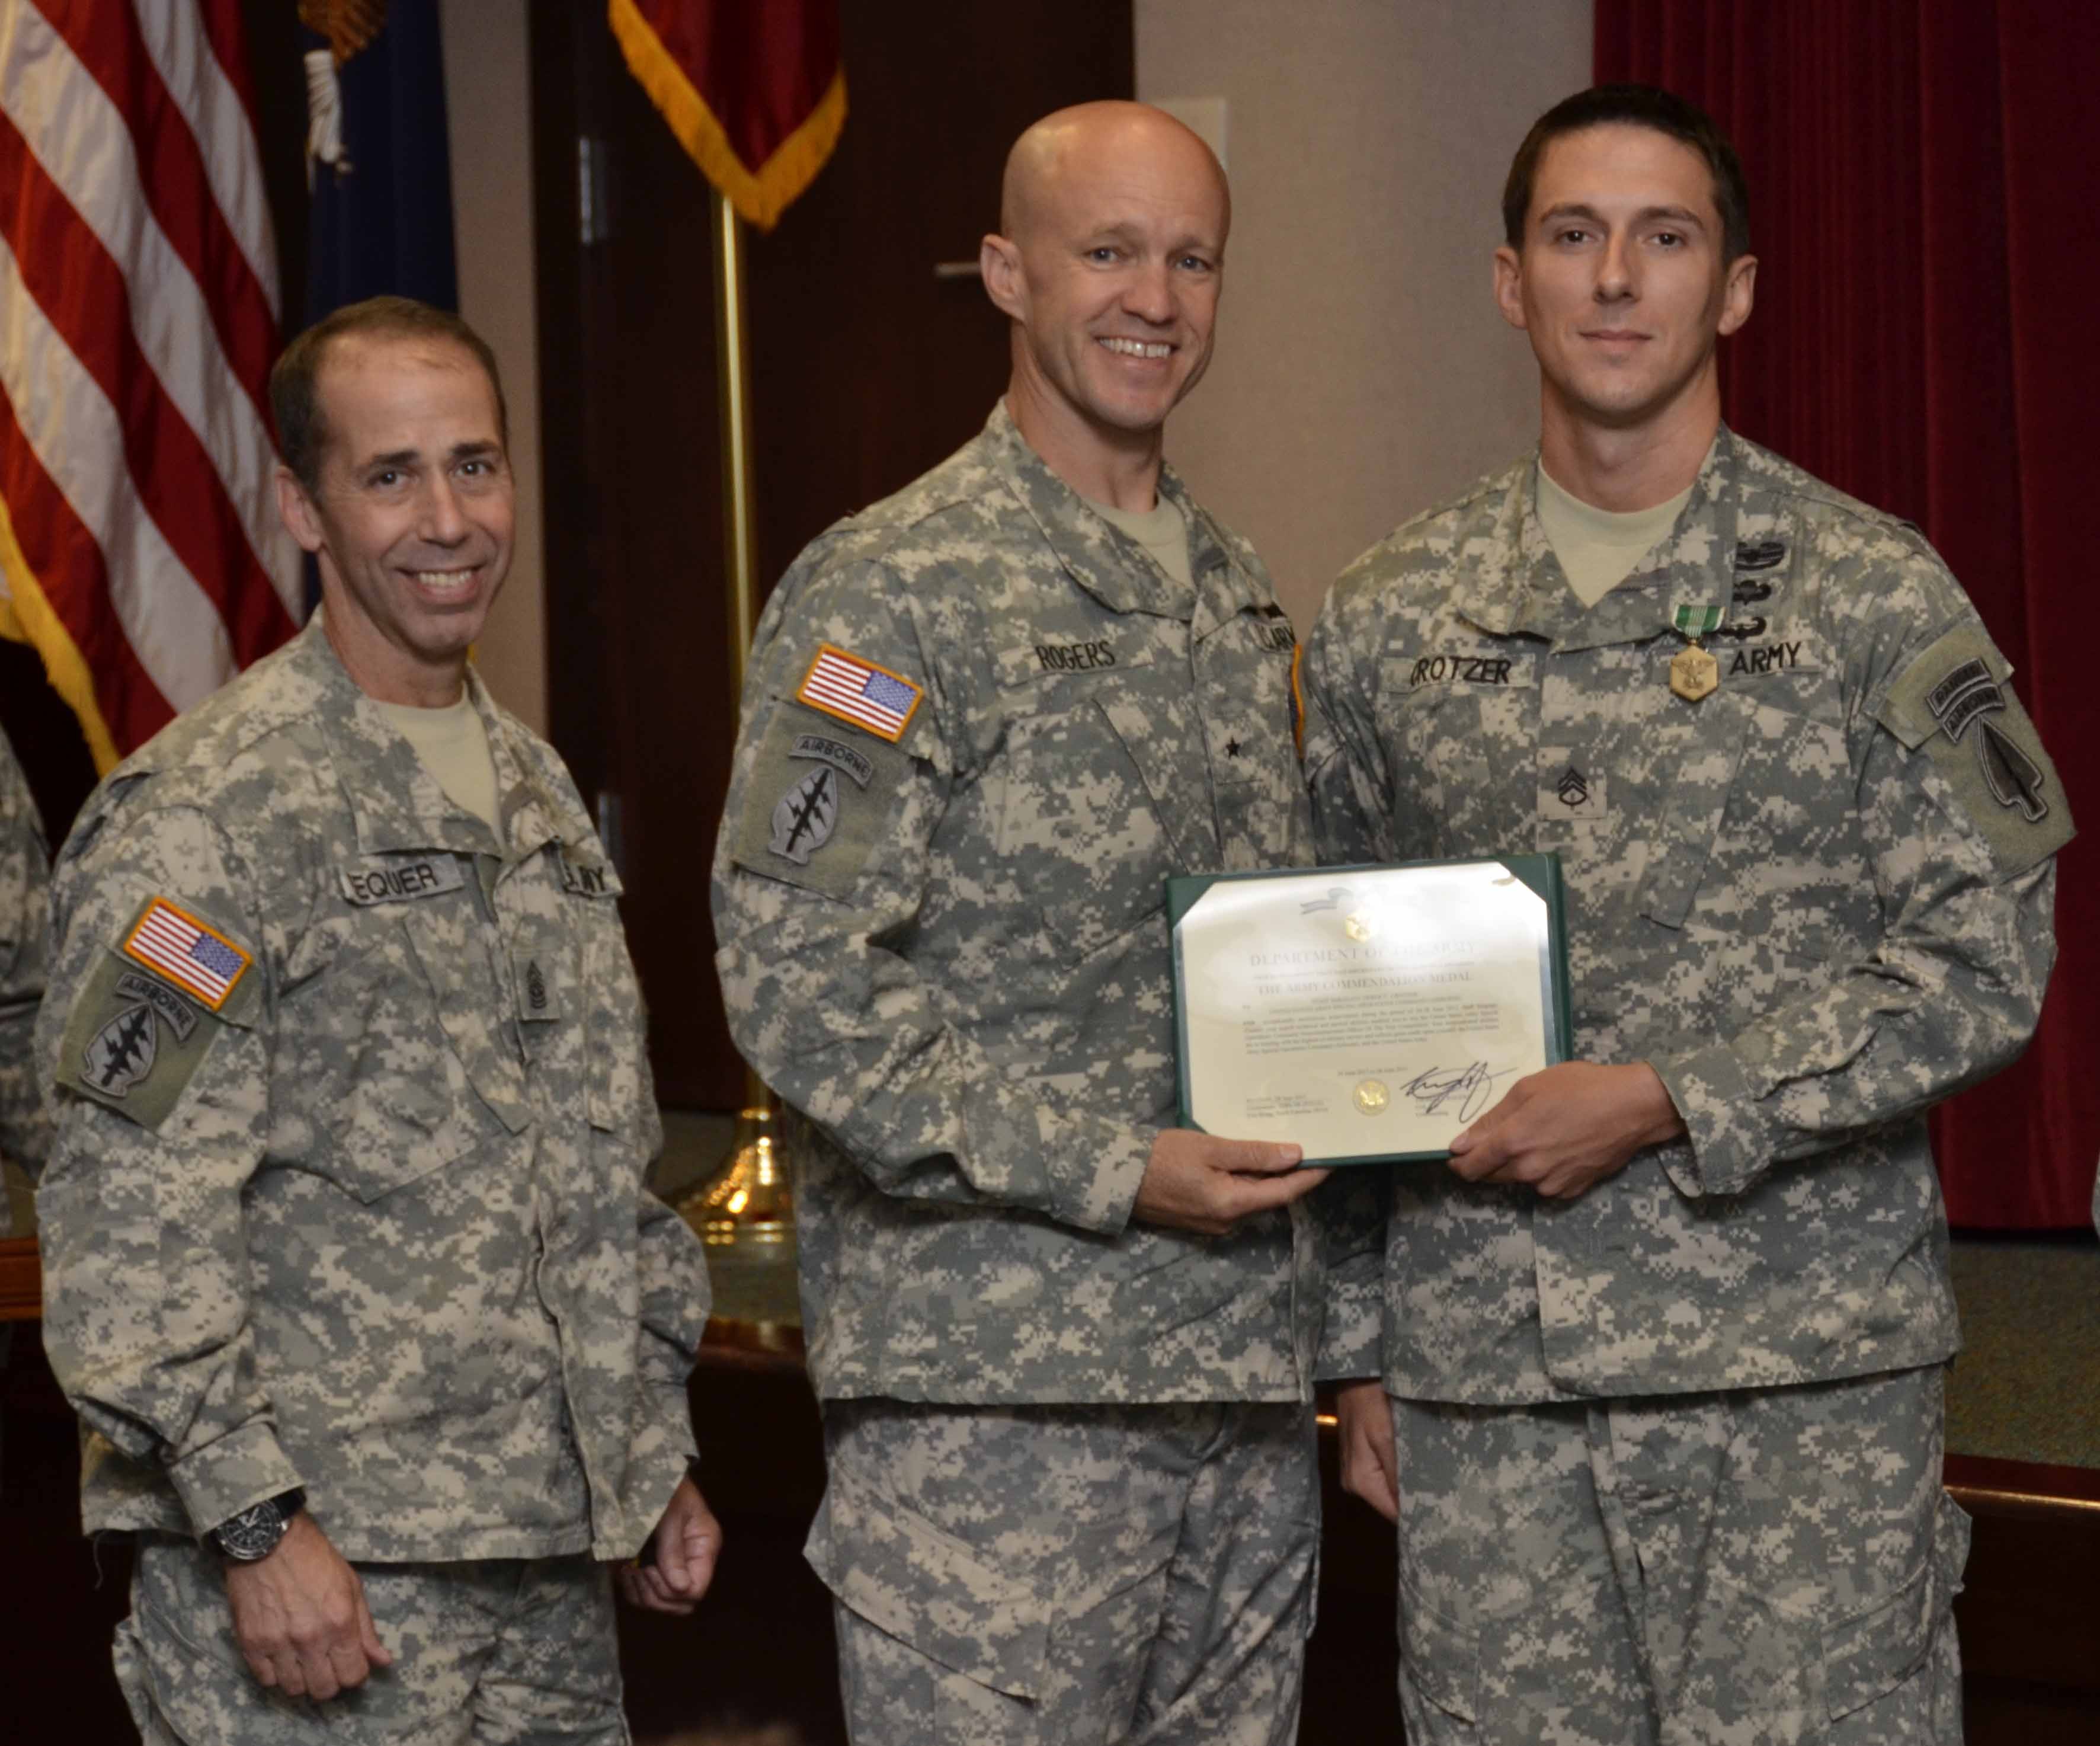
x: 751, y: 1203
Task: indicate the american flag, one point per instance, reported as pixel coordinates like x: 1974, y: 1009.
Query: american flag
x: 140, y: 549
x: 186, y: 952
x: 858, y: 690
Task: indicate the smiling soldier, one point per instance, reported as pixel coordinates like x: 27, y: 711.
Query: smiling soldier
x: 379, y: 1341
x: 1664, y: 1344
x: 1064, y: 1349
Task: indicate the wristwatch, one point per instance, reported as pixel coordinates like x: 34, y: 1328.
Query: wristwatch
x: 252, y: 1533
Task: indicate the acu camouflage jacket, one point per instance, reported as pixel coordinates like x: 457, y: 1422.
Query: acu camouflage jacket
x: 1816, y: 901
x: 25, y: 1126
x: 981, y: 729
x: 353, y: 1116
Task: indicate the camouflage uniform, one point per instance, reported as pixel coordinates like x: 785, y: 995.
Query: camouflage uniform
x: 939, y: 899
x: 485, y: 1650
x: 1816, y: 902
x: 25, y: 1125
x: 353, y: 1115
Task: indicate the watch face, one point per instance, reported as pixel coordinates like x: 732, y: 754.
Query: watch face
x: 254, y: 1533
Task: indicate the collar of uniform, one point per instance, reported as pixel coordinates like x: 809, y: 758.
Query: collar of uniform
x: 1092, y: 553
x: 1227, y: 582
x: 397, y: 804
x: 1691, y: 566
x: 1510, y: 583
x: 531, y: 817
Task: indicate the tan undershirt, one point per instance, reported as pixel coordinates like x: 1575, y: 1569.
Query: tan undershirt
x: 453, y: 745
x: 1161, y: 530
x: 1597, y: 548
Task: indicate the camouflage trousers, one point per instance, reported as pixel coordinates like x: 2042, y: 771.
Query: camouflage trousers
x: 1756, y: 1567
x: 1070, y: 1575
x: 494, y: 1650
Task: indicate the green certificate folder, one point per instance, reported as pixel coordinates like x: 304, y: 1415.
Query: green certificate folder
x: 1368, y: 1014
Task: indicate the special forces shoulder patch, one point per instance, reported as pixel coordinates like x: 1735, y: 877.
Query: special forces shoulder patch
x: 816, y: 804
x: 1954, y: 702
x: 135, y: 1040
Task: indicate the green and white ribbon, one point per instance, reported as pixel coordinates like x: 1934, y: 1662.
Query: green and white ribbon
x: 1696, y: 621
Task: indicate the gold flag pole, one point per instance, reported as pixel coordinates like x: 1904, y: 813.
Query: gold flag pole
x: 751, y: 1200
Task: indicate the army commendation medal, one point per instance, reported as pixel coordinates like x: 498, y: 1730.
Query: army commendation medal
x: 1693, y: 672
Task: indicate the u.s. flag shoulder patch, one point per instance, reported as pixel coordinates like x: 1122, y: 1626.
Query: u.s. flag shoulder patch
x: 191, y: 954
x: 859, y: 691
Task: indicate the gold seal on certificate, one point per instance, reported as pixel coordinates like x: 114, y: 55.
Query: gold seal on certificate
x: 1365, y: 1013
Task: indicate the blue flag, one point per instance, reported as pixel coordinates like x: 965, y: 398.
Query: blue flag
x: 377, y: 157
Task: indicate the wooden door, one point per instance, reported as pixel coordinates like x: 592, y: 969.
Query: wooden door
x: 868, y: 367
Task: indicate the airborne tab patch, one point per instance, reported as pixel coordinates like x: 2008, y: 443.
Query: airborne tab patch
x: 132, y: 1043
x: 859, y: 691
x: 196, y: 957
x: 1953, y: 703
x: 815, y: 806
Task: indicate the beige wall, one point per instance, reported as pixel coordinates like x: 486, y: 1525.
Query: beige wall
x: 1362, y: 373
x: 488, y: 105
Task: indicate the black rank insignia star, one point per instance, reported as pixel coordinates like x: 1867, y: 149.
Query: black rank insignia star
x: 1233, y: 749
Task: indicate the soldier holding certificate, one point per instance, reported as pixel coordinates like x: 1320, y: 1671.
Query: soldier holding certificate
x: 1065, y: 1348
x: 1658, y: 1402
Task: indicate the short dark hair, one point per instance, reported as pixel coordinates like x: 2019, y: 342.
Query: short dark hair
x: 1634, y: 106
x: 294, y: 379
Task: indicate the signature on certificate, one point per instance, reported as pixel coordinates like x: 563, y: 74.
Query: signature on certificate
x: 1465, y: 1091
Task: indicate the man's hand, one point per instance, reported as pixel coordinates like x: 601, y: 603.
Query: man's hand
x: 686, y: 1544
x: 300, y: 1618
x: 1369, y: 1468
x: 1566, y: 1129
x: 1196, y: 1181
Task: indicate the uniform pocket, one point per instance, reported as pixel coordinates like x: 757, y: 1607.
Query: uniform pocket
x: 1082, y: 827
x: 1868, y: 1655
x: 891, y: 1567
x: 1439, y: 1658
x: 427, y: 1076
x: 1759, y: 835
x: 615, y: 1044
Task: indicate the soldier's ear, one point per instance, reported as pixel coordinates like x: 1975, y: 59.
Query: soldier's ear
x: 999, y: 262
x: 1738, y: 292
x: 298, y: 510
x: 1509, y: 286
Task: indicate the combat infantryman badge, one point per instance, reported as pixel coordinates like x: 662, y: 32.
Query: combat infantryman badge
x: 1693, y: 672
x: 805, y: 817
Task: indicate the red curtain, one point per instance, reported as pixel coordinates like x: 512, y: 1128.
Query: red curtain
x: 1922, y: 211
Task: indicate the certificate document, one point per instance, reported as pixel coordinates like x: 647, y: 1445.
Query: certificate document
x: 1367, y: 1013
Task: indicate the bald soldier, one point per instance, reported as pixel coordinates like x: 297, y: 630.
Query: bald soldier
x: 1065, y: 1350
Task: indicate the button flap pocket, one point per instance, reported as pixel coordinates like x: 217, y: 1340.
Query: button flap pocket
x: 1143, y: 725
x: 461, y: 976
x: 1682, y: 834
x: 899, y: 1571
x: 1439, y: 1657
x: 1084, y: 829
x: 1870, y: 1654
